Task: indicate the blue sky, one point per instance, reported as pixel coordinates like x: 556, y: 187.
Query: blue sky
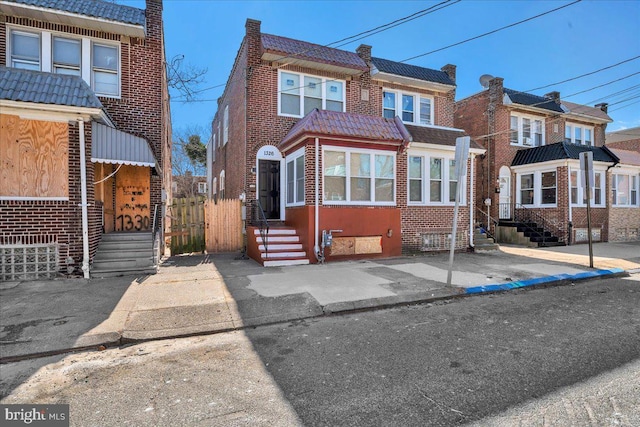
x: 575, y: 40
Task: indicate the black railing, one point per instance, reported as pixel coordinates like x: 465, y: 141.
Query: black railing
x: 526, y: 216
x: 155, y: 236
x: 490, y: 221
x: 259, y: 219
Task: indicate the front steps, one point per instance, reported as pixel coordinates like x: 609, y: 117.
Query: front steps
x: 121, y: 254
x: 281, y: 247
x: 525, y: 233
x: 483, y: 243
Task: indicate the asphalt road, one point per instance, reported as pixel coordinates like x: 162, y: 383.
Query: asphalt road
x: 509, y: 357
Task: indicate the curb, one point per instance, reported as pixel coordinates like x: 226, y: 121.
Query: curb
x: 547, y: 280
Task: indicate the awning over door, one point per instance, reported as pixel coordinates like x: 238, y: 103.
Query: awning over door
x: 109, y: 145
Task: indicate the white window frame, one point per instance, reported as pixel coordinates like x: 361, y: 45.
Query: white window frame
x: 86, y: 54
x: 301, y: 96
x: 580, y: 191
x: 532, y: 130
x: 225, y: 131
x: 65, y: 66
x: 27, y: 33
x: 95, y: 69
x: 583, y: 129
x: 445, y: 185
x: 222, y: 184
x: 634, y: 187
x: 293, y: 158
x: 372, y: 176
x: 214, y: 190
x: 537, y: 187
x: 398, y: 110
x: 202, y: 187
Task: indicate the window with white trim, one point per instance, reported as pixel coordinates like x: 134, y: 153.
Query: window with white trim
x: 202, y: 187
x: 300, y: 93
x: 539, y: 188
x: 225, y: 131
x: 362, y: 177
x: 59, y: 53
x: 432, y: 180
x: 527, y: 131
x: 625, y: 189
x: 579, y: 194
x: 412, y: 108
x: 222, y: 184
x: 295, y: 178
x: 578, y: 134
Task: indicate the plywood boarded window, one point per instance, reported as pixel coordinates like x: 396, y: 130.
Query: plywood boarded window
x: 34, y: 156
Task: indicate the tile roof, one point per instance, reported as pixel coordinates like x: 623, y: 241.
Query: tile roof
x: 586, y: 110
x: 626, y: 157
x: 438, y: 136
x: 313, y: 52
x: 530, y: 100
x: 412, y: 71
x: 46, y: 88
x: 559, y: 151
x: 93, y: 8
x: 333, y: 123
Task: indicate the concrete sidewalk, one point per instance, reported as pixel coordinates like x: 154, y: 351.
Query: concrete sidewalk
x: 204, y: 294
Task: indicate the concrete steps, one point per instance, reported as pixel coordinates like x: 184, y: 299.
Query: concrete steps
x: 483, y: 243
x: 280, y: 247
x: 122, y: 254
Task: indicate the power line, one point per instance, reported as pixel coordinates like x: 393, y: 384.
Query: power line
x: 491, y: 32
x: 626, y: 106
x: 604, y: 84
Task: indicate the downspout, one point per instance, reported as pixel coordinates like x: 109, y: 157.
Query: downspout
x: 83, y: 204
x: 569, y: 184
x: 472, y: 203
x: 316, y: 248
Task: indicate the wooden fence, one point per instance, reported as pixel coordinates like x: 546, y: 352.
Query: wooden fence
x: 187, y: 225
x: 223, y: 225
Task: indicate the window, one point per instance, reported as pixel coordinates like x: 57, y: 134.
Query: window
x: 25, y: 50
x: 526, y: 130
x: 548, y: 188
x: 579, y: 194
x: 225, y: 137
x: 295, y: 178
x: 66, y: 56
x: 526, y: 189
x: 96, y: 62
x: 573, y: 177
x: 440, y: 189
x: 359, y: 177
x: 412, y: 108
x: 576, y: 134
x: 105, y: 69
x: 300, y: 94
x: 202, y: 187
x: 625, y: 189
x: 222, y: 184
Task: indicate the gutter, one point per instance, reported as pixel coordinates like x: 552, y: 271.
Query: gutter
x: 472, y: 202
x: 316, y: 248
x: 84, y: 205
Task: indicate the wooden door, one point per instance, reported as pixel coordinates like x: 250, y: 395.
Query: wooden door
x: 133, y: 210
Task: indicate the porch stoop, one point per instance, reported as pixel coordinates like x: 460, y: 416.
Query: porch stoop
x: 120, y: 254
x: 481, y: 242
x: 282, y: 247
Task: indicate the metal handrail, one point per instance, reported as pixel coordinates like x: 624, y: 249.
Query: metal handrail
x: 154, y: 233
x: 263, y: 225
x: 540, y: 220
x: 492, y: 219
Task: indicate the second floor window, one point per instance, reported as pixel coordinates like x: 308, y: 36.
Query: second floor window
x: 66, y: 56
x: 412, y: 108
x: 104, y: 69
x: 299, y: 94
x: 25, y: 50
x: 576, y: 134
x: 527, y: 131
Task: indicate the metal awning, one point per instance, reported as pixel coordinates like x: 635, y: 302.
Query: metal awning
x: 110, y: 145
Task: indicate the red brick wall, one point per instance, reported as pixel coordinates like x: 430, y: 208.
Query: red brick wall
x: 630, y: 145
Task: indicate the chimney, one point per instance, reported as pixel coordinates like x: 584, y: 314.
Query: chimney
x: 254, y: 41
x: 553, y: 96
x: 603, y: 106
x: 450, y: 70
x: 364, y: 52
x: 496, y: 86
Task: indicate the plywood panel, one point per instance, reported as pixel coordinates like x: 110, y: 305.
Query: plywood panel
x: 133, y: 210
x: 369, y: 245
x: 104, y: 193
x: 343, y: 246
x: 44, y: 158
x: 9, y: 156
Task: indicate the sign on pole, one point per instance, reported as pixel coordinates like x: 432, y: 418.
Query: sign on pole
x: 587, y: 180
x: 460, y: 171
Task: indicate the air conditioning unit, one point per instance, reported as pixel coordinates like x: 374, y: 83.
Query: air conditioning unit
x: 527, y: 141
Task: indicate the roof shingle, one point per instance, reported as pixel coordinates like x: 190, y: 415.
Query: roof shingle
x: 530, y: 100
x: 46, y: 88
x: 559, y: 151
x: 586, y: 110
x: 310, y: 51
x: 438, y: 136
x: 94, y: 8
x: 412, y: 71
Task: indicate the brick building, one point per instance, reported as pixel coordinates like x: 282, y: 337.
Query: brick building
x: 531, y: 171
x: 318, y: 139
x: 86, y: 134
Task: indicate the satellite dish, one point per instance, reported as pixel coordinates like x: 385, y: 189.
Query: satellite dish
x: 484, y: 80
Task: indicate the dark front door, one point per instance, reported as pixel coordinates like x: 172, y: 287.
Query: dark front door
x: 269, y: 188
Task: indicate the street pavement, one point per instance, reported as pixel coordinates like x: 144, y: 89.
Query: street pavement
x: 205, y: 294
